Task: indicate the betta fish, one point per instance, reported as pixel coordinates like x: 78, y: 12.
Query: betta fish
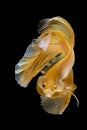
x: 52, y: 55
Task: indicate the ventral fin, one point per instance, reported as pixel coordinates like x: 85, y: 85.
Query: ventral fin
x: 55, y: 106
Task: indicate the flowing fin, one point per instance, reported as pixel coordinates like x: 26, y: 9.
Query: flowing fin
x: 55, y: 106
x: 42, y: 25
x: 23, y: 78
x: 24, y: 68
x: 32, y: 50
x: 44, y: 42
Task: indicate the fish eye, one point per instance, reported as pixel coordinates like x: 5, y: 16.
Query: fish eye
x: 44, y: 84
x: 55, y: 87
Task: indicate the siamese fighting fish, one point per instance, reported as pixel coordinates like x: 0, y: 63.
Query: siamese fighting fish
x: 52, y: 55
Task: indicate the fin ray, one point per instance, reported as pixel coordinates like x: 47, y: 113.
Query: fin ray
x: 23, y: 70
x: 55, y: 106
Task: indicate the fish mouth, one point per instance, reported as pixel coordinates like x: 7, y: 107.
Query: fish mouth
x: 52, y: 62
x: 48, y: 93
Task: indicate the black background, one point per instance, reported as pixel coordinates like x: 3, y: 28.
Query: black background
x: 22, y: 106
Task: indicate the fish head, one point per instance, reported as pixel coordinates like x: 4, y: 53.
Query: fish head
x: 49, y: 88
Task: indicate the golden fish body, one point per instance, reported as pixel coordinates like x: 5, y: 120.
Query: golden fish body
x: 51, y: 54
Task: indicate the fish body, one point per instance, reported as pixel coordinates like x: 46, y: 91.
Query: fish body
x: 52, y: 54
